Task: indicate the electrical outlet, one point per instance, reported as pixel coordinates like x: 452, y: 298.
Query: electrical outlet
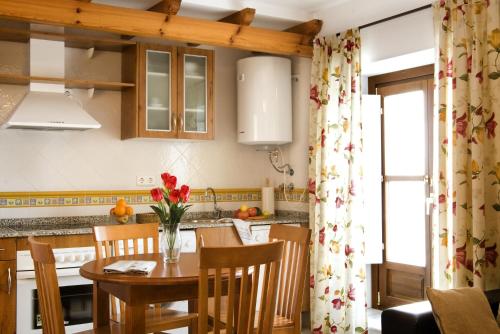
x: 145, y: 181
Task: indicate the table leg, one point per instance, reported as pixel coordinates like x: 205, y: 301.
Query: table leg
x: 135, y: 319
x: 193, y: 308
x: 100, y: 306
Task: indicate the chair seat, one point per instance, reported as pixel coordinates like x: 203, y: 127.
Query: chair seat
x: 279, y: 321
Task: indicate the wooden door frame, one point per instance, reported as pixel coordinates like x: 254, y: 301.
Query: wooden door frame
x: 387, y: 79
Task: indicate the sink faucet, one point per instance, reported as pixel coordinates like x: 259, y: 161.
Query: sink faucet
x: 217, y: 211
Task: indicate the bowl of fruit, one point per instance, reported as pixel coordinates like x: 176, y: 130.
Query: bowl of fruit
x: 121, y: 213
x: 249, y: 213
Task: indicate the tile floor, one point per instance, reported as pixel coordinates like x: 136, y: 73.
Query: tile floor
x: 374, y: 324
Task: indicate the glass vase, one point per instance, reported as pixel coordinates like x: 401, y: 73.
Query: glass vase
x: 171, y: 244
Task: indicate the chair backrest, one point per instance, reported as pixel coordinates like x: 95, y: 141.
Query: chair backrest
x: 224, y: 264
x: 116, y: 240
x: 49, y: 298
x: 218, y: 236
x: 294, y: 269
x: 108, y: 239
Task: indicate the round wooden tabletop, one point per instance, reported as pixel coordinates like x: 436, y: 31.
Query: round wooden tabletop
x: 183, y: 272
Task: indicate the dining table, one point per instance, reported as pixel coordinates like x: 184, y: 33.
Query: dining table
x: 167, y: 282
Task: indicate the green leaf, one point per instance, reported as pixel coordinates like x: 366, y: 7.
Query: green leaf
x: 476, y: 241
x: 359, y: 330
x: 157, y: 210
x: 494, y: 75
x: 464, y: 77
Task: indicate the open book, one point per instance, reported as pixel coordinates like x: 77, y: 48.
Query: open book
x: 130, y: 267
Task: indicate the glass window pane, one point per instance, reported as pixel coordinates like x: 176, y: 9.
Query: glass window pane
x: 405, y: 222
x: 405, y: 135
x: 158, y: 91
x: 195, y: 93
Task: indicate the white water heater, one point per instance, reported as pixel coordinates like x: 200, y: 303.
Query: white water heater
x: 264, y: 100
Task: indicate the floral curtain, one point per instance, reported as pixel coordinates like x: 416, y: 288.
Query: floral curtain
x: 338, y: 300
x: 467, y: 235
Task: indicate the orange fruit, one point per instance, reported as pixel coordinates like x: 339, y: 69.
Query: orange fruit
x: 121, y: 202
x: 120, y: 211
x: 129, y: 211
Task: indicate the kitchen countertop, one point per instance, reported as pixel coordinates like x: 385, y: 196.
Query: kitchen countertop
x: 59, y: 226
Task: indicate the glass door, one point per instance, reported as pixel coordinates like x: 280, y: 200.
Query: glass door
x: 406, y: 167
x: 195, y: 98
x: 159, y: 94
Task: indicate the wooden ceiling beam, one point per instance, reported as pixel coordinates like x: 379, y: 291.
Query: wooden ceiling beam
x: 309, y: 29
x: 127, y: 21
x: 170, y: 7
x: 243, y: 17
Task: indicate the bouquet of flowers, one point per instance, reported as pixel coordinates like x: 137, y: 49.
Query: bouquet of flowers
x: 171, y: 206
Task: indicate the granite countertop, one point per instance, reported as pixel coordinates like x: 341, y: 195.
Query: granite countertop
x: 54, y: 226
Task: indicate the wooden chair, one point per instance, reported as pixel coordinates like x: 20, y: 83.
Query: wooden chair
x: 293, y: 273
x: 293, y: 276
x: 117, y: 240
x: 48, y: 292
x: 218, y: 236
x: 226, y: 262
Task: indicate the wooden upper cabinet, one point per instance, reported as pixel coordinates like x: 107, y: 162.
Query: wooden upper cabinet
x: 195, y: 90
x: 173, y: 97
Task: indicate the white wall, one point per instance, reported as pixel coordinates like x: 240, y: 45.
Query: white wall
x: 344, y: 15
x: 296, y: 153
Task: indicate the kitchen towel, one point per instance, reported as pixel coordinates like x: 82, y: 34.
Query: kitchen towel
x: 268, y: 200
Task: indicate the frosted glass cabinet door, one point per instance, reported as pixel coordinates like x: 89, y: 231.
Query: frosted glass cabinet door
x: 159, y: 119
x: 196, y: 116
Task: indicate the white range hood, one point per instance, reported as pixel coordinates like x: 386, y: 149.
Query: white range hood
x: 49, y: 106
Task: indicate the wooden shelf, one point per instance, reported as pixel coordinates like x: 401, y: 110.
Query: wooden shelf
x: 19, y: 79
x: 14, y: 79
x: 195, y: 77
x: 70, y: 40
x: 157, y: 108
x: 201, y: 111
x: 158, y: 74
x: 104, y: 85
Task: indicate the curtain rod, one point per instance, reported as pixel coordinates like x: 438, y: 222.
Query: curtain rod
x: 395, y: 16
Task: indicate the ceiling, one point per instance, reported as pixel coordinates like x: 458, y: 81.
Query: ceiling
x: 281, y: 14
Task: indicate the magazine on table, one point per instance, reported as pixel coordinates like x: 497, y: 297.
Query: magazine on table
x: 130, y: 267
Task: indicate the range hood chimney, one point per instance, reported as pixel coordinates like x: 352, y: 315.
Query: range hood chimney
x: 49, y: 106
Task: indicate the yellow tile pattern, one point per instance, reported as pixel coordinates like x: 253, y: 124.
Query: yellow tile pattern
x: 135, y: 197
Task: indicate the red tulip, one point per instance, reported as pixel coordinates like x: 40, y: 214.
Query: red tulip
x: 170, y: 181
x: 157, y: 194
x: 185, y: 192
x: 174, y: 196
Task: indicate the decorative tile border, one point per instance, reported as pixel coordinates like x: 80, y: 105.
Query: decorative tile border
x: 134, y: 197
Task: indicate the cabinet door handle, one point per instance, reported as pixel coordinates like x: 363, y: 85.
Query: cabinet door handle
x: 9, y: 280
x: 174, y: 123
x: 2, y: 249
